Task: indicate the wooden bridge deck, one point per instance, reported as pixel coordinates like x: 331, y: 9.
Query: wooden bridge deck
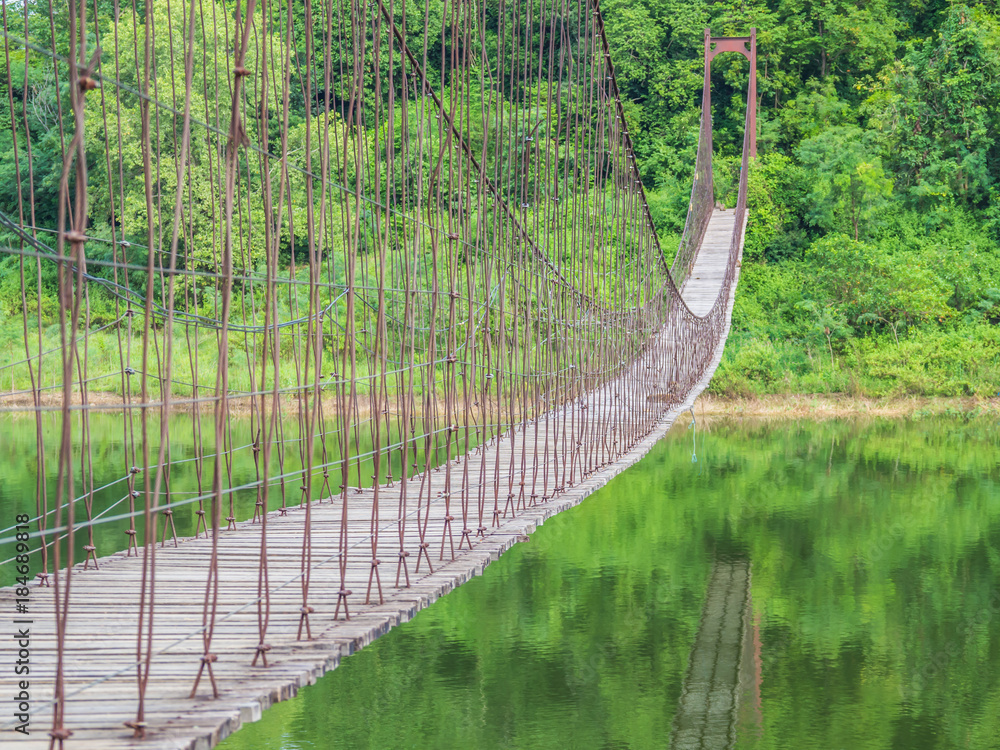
x: 703, y: 283
x: 100, y: 675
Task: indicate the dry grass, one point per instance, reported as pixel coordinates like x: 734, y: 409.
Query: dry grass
x: 789, y: 406
x: 22, y: 404
x: 810, y: 406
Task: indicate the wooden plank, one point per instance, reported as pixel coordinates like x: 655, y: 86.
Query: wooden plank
x: 104, y: 604
x: 701, y: 288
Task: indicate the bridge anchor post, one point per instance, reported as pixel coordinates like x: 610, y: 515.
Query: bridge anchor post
x: 304, y: 613
x: 200, y: 523
x: 402, y: 567
x: 373, y: 575
x: 466, y: 537
x: 206, y: 663
x: 342, y: 599
x: 423, y: 553
x: 261, y: 653
x: 446, y: 533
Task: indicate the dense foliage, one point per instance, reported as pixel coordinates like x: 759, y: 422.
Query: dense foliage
x: 328, y: 112
x: 872, y: 261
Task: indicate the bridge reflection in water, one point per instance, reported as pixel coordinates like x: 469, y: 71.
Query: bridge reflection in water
x: 721, y: 690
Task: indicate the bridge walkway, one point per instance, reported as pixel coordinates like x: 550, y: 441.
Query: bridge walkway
x: 703, y: 283
x: 100, y: 672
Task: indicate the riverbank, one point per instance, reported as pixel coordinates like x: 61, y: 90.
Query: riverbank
x: 242, y: 404
x: 839, y: 406
x: 795, y: 405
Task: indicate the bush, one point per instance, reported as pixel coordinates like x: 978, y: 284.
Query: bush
x: 933, y: 362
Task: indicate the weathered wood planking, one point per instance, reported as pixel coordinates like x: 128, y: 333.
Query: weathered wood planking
x: 104, y: 604
x: 705, y: 280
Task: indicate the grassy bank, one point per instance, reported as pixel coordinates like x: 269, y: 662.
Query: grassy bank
x: 927, y: 365
x: 831, y: 322
x: 958, y: 363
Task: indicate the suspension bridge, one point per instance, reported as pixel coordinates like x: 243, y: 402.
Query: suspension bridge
x: 325, y: 307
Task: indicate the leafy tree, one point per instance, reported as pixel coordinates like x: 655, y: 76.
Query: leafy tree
x: 938, y: 111
x: 867, y: 284
x: 814, y: 109
x: 774, y: 203
x: 826, y: 323
x: 849, y: 184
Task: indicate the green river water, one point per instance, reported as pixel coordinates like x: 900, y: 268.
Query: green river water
x: 870, y: 606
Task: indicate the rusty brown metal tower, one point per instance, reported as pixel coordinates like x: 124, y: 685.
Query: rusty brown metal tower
x: 746, y: 46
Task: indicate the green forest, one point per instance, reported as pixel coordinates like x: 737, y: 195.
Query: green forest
x: 872, y: 257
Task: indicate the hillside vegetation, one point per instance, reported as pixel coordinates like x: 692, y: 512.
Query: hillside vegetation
x: 872, y: 263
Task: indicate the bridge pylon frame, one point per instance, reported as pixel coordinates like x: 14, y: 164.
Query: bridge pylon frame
x: 746, y: 46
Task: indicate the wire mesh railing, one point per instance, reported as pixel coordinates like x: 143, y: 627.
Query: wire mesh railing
x: 281, y: 251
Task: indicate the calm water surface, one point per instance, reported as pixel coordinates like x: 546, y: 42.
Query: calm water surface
x: 871, y: 620
x: 861, y: 596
